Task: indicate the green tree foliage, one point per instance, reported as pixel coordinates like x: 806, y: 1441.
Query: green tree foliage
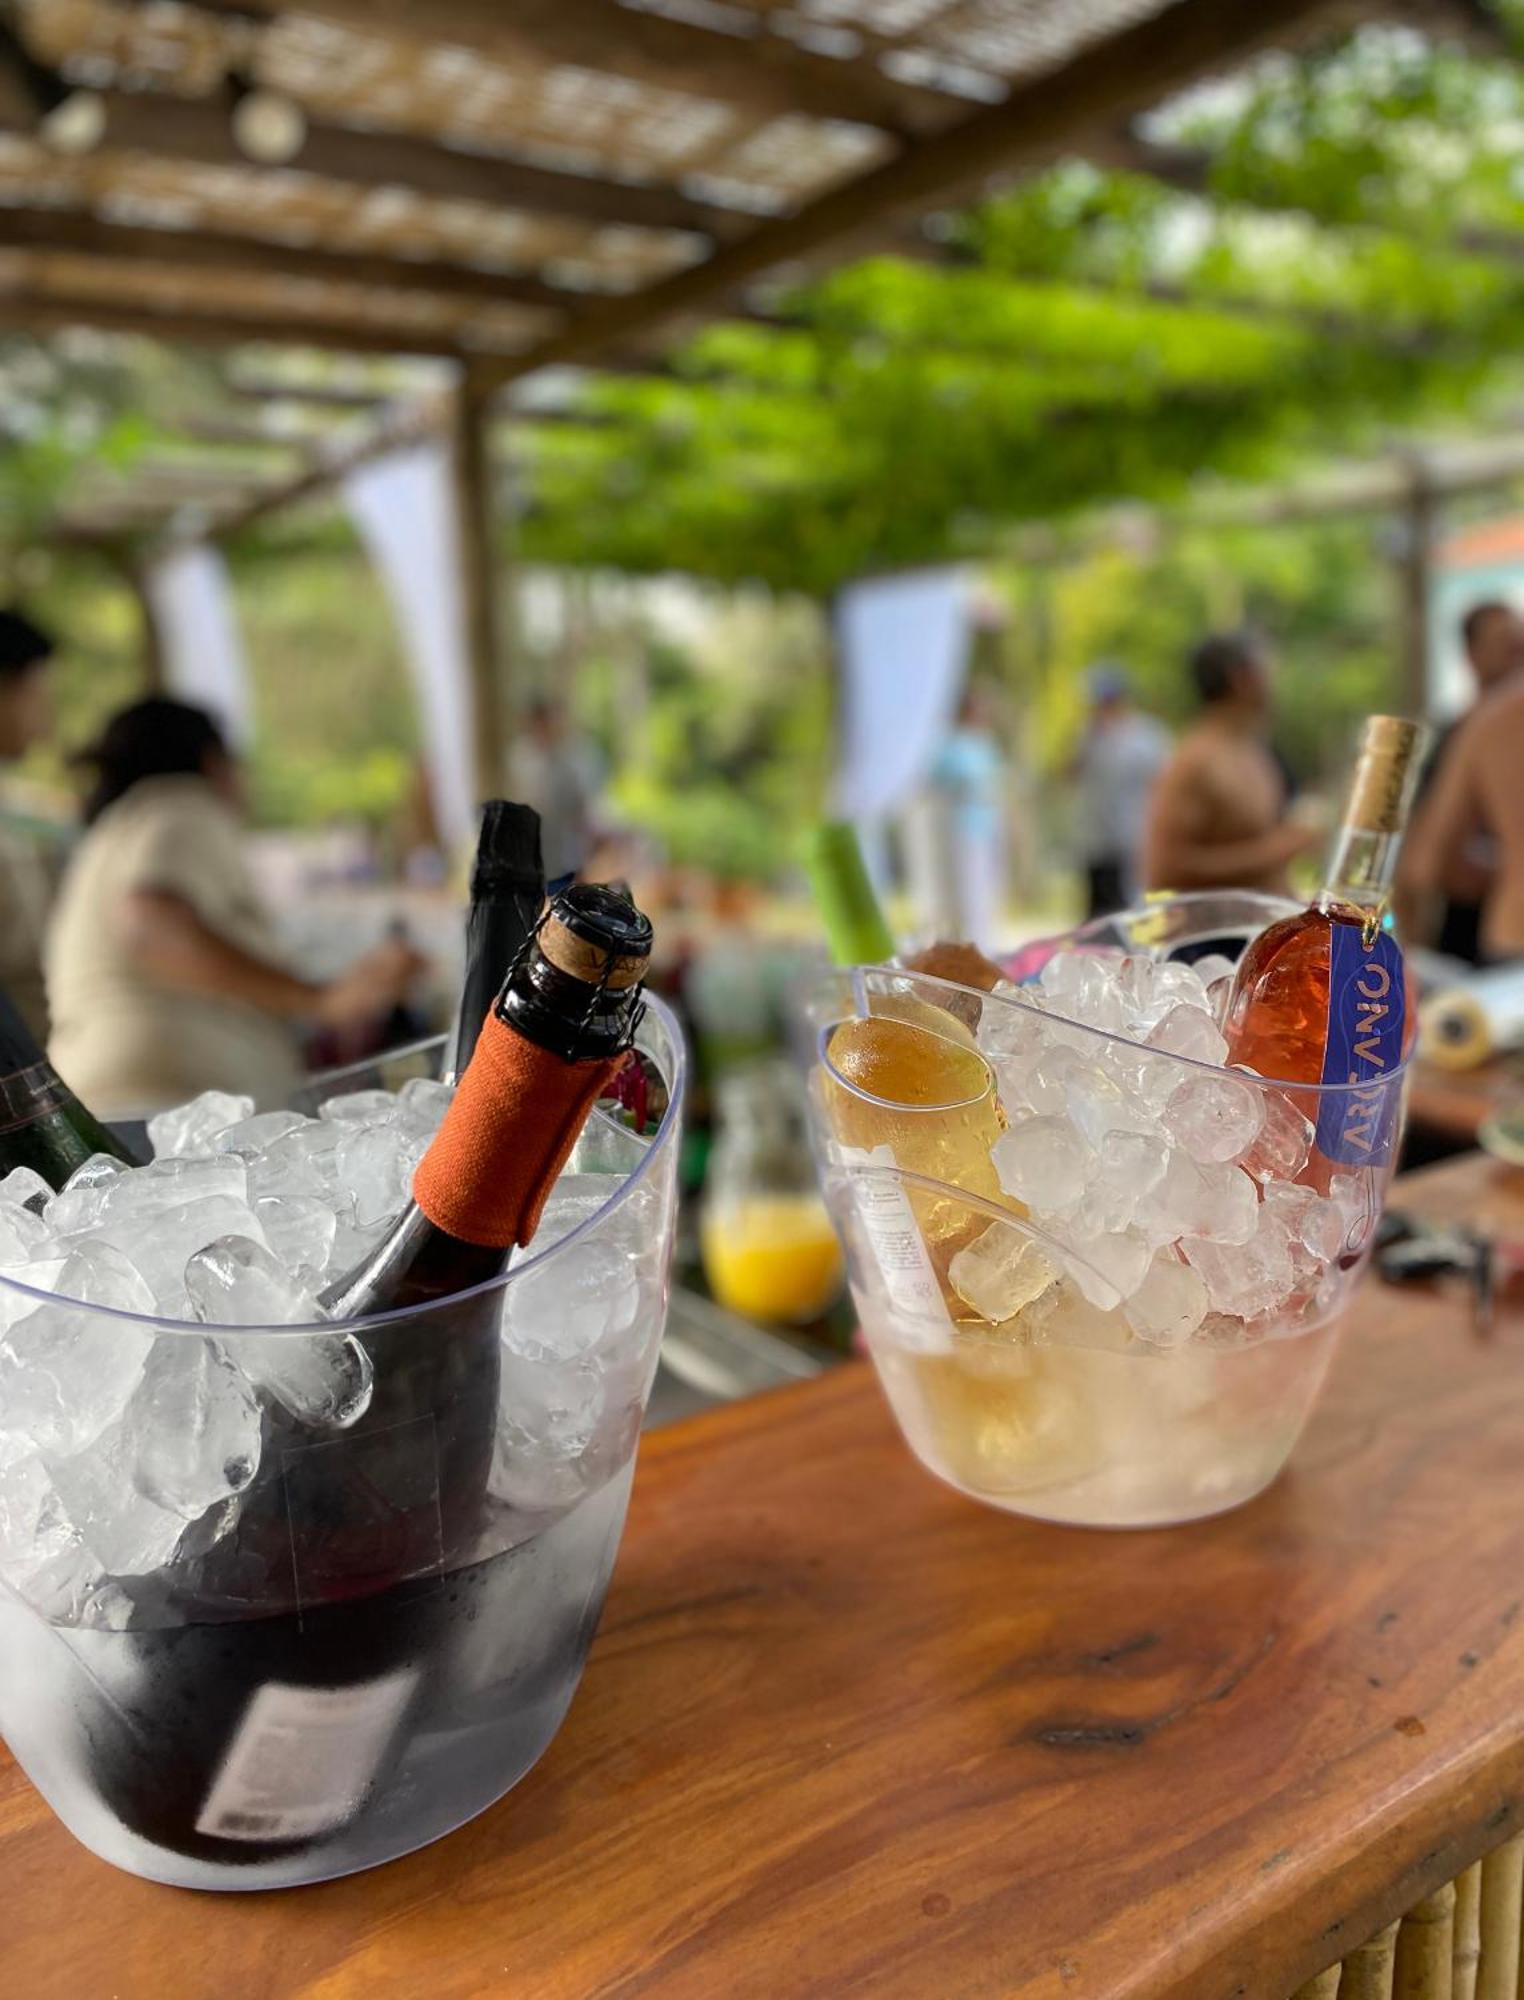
x: 1094, y: 335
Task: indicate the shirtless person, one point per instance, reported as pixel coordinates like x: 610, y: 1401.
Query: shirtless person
x: 1217, y: 817
x: 1476, y: 792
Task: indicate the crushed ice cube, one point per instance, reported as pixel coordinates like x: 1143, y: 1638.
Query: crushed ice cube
x: 1284, y: 1139
x: 34, y: 1529
x: 24, y: 1236
x: 25, y: 1188
x: 375, y: 1163
x: 66, y: 1373
x: 1064, y: 1317
x: 1189, y: 1030
x: 161, y: 1243
x: 1097, y: 1105
x: 1315, y: 1223
x: 300, y: 1232
x: 1246, y: 1279
x: 1169, y: 1304
x: 1220, y: 1203
x: 548, y: 1420
x: 82, y: 1199
x: 566, y: 1307
x: 237, y: 1282
x: 1043, y: 1082
x: 1107, y: 1266
x: 192, y: 1429
x: 321, y: 1379
x: 303, y: 1165
x: 253, y: 1135
x: 1043, y: 1162
x: 1000, y: 1272
x: 363, y: 1107
x: 128, y: 1531
x: 421, y: 1106
x: 191, y: 1128
x: 1084, y: 987
x: 1012, y: 1026
x: 1215, y: 1118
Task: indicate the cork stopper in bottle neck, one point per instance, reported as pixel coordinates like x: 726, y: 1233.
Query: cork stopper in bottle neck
x: 582, y: 958
x: 1385, y: 774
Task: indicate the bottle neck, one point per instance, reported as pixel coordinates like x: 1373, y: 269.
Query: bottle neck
x: 1361, y: 868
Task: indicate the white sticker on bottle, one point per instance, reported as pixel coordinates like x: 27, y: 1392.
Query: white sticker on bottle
x: 905, y: 1269
x: 304, y: 1758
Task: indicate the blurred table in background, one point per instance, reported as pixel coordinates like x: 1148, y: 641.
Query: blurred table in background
x: 1449, y: 1106
x: 843, y: 1731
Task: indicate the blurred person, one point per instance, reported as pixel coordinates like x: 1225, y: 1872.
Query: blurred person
x: 26, y: 719
x: 1477, y: 794
x: 1120, y: 755
x: 968, y: 779
x: 555, y: 769
x: 1217, y: 818
x: 1492, y: 635
x: 163, y: 970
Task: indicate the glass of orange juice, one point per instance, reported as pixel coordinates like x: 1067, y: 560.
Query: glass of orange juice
x: 770, y: 1252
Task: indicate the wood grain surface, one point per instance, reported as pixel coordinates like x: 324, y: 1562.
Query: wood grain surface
x: 845, y: 1733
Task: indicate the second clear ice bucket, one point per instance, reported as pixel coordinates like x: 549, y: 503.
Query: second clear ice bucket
x: 1100, y: 1273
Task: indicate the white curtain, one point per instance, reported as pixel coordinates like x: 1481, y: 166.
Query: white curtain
x: 193, y: 614
x: 404, y: 511
x: 903, y: 648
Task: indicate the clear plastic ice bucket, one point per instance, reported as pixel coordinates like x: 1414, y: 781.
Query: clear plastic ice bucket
x: 377, y: 1631
x: 1101, y: 1280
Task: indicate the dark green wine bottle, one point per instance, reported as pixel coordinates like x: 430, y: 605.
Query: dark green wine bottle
x: 507, y: 895
x: 43, y: 1125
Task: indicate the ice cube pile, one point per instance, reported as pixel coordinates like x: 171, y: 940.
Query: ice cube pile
x: 123, y: 1448
x: 1169, y: 1195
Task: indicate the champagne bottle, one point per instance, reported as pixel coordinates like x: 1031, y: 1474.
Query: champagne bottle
x: 347, y: 1590
x: 1323, y: 997
x: 566, y: 1015
x: 43, y: 1125
x: 507, y: 895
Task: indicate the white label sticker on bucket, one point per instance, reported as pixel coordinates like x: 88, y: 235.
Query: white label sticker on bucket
x: 303, y: 1758
x: 921, y: 1318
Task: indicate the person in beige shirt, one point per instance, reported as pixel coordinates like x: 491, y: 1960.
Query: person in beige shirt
x: 26, y: 718
x: 163, y: 971
x: 1217, y: 818
x: 1478, y: 792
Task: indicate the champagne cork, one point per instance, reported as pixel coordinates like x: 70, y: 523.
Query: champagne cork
x: 586, y: 959
x: 1390, y: 746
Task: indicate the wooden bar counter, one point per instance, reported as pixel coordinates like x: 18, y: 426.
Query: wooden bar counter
x: 845, y: 1733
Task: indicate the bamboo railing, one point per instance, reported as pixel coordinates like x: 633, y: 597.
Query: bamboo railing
x: 1461, y: 1943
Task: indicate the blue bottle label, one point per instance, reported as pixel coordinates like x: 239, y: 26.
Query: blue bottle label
x: 1367, y: 1005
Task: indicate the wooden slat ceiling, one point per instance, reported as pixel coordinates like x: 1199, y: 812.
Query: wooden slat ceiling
x: 517, y: 183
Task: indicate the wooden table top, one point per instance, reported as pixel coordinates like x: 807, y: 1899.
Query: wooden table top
x: 846, y: 1733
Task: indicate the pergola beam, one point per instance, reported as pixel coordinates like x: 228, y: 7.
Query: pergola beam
x: 199, y: 130
x: 737, y: 58
x: 31, y: 308
x: 1107, y: 84
x: 76, y: 233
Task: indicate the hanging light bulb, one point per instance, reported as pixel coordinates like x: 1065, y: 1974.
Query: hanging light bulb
x: 267, y: 126
x: 76, y: 124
